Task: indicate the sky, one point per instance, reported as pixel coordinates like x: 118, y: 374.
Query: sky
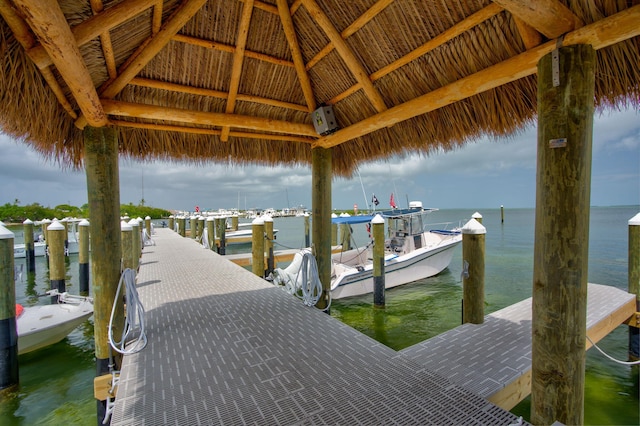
x: 488, y: 173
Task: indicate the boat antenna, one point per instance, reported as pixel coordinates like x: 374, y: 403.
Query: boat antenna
x: 364, y: 194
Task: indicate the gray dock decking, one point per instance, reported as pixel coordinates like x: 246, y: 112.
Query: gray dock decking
x: 226, y: 347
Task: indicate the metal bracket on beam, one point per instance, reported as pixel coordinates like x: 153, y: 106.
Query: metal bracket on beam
x: 634, y: 320
x: 555, y: 62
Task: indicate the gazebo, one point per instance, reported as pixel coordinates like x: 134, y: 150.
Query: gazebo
x: 330, y: 84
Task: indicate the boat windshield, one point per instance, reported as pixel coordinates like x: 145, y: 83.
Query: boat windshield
x: 409, y: 224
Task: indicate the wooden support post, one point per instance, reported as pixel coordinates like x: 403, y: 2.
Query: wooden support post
x: 83, y: 256
x: 147, y: 226
x: 172, y: 222
x: 126, y: 239
x: 64, y: 222
x: 501, y: 214
x: 101, y: 167
x: 307, y: 236
x: 201, y: 220
x: 45, y: 225
x: 334, y: 231
x: 377, y: 225
x: 473, y: 245
x: 182, y: 225
x: 136, y: 243
x: 29, y: 247
x: 222, y: 235
x: 561, y: 245
x: 211, y: 233
x: 634, y: 282
x: 268, y: 246
x: 345, y: 236
x: 193, y: 227
x: 57, y: 271
x: 257, y: 247
x: 8, y: 331
x: 321, y: 173
x: 234, y: 222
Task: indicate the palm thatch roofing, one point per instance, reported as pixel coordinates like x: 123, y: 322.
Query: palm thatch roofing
x: 236, y: 81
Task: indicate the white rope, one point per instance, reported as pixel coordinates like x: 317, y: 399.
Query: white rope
x: 306, y: 285
x: 612, y: 358
x: 134, y: 320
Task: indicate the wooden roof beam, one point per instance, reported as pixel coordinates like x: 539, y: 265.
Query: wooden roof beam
x: 238, y: 60
x: 530, y: 37
x: 296, y: 54
x: 94, y: 26
x: 142, y: 57
x: 156, y: 22
x: 50, y: 26
x: 208, y: 44
x: 105, y: 41
x: 367, y: 16
x: 152, y: 112
x: 212, y: 132
x: 24, y: 36
x: 549, y: 17
x: 346, y: 54
x: 451, y: 33
x: 181, y: 88
x: 605, y: 32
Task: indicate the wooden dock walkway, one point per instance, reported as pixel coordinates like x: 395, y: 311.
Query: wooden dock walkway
x: 226, y: 347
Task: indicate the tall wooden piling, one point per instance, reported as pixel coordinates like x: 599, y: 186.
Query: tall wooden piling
x: 561, y: 245
x: 634, y: 282
x: 29, y: 247
x: 268, y: 243
x: 193, y: 227
x: 57, y: 271
x: 334, y: 231
x: 234, y: 222
x: 136, y: 243
x: 473, y: 249
x: 182, y: 225
x: 377, y: 225
x: 126, y: 241
x: 211, y: 234
x: 83, y: 256
x: 257, y: 247
x: 307, y: 235
x: 172, y: 222
x: 321, y: 173
x: 65, y: 222
x: 103, y: 190
x: 345, y: 236
x: 147, y: 225
x: 8, y: 332
x: 477, y: 216
x: 501, y: 214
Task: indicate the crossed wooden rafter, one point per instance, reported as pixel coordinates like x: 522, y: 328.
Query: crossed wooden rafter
x: 59, y: 47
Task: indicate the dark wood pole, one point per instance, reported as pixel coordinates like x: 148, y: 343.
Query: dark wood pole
x: 473, y: 255
x: 321, y: 173
x: 9, y: 376
x: 561, y: 246
x: 101, y: 166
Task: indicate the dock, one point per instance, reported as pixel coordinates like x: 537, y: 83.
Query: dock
x: 226, y: 347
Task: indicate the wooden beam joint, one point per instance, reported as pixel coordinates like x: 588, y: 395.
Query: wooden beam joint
x: 633, y: 320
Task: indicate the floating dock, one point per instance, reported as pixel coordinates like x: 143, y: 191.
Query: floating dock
x: 226, y: 347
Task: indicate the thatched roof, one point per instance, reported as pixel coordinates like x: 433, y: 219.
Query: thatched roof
x: 236, y: 80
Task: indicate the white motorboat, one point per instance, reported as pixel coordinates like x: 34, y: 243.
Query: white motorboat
x: 43, y: 325
x: 412, y: 252
x: 40, y: 246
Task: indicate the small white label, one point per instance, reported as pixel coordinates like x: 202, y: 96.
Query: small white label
x: 558, y: 143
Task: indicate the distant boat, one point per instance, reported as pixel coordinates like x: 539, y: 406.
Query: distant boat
x: 43, y: 325
x: 412, y: 252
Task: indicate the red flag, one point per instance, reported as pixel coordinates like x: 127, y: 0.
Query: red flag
x: 392, y: 202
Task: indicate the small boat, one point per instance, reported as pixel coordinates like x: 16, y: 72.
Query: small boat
x: 43, y: 325
x: 40, y: 246
x: 412, y: 252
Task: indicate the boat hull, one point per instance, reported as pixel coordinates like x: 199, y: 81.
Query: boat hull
x: 417, y: 265
x: 40, y: 249
x: 43, y: 325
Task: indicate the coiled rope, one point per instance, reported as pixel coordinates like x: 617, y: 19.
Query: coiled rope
x: 134, y: 320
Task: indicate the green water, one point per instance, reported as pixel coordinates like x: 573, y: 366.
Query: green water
x: 56, y: 383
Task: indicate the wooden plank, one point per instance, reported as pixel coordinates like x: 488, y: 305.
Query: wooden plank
x: 298, y: 60
x: 600, y: 34
x: 238, y: 60
x: 147, y: 53
x: 362, y: 20
x: 347, y: 55
x: 102, y: 387
x: 550, y: 17
x: 152, y: 112
x: 94, y: 26
x: 50, y: 25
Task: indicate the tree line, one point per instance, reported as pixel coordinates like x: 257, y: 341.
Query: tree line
x: 16, y: 213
